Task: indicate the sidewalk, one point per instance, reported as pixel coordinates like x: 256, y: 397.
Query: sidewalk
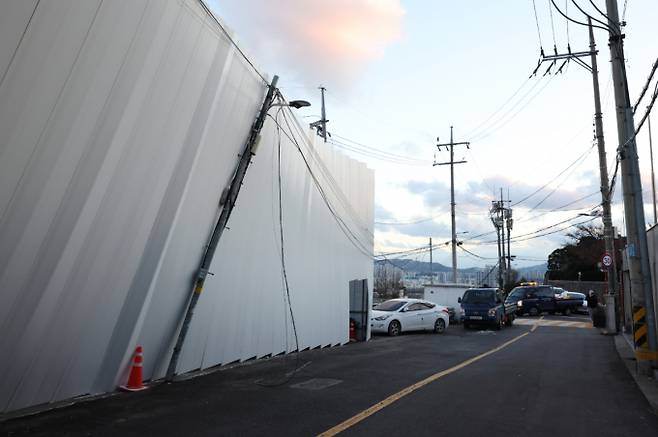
x: 648, y: 386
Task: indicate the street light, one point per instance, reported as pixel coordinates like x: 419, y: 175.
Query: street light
x: 293, y: 104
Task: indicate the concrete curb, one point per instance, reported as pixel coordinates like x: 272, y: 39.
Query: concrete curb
x: 648, y: 386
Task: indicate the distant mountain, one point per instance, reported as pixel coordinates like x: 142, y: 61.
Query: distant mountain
x: 412, y: 266
x: 423, y: 268
x: 531, y: 272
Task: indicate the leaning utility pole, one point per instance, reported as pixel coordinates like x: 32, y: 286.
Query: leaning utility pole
x: 644, y: 323
x: 608, y: 232
x: 452, y: 162
x: 227, y: 207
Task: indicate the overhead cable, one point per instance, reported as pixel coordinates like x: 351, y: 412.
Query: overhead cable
x: 555, y: 178
x: 646, y: 86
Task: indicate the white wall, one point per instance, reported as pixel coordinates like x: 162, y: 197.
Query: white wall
x: 120, y: 125
x: 445, y: 294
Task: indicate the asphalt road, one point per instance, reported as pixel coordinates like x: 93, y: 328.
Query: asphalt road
x: 556, y: 380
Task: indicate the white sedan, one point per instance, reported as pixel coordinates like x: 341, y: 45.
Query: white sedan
x: 397, y: 315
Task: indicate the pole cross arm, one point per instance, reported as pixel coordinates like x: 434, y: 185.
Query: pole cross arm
x: 448, y: 163
x: 463, y: 143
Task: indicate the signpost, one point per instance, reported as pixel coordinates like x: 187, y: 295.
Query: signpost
x: 606, y: 261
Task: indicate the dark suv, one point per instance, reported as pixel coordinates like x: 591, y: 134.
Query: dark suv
x: 535, y: 300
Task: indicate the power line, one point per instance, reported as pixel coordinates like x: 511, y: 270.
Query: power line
x: 324, y: 170
x: 646, y: 86
x: 532, y: 236
x: 502, y: 124
x: 534, y: 7
x: 607, y: 29
x: 378, y: 155
x: 379, y: 151
x: 556, y: 177
x: 561, y: 183
x: 339, y: 220
x: 409, y: 222
x: 550, y: 9
x: 232, y: 41
x: 475, y: 129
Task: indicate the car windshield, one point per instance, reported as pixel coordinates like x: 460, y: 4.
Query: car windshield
x: 478, y: 296
x: 390, y: 305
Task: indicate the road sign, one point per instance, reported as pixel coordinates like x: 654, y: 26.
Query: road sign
x: 606, y: 260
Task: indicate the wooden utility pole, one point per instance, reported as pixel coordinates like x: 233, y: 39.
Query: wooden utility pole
x: 450, y: 147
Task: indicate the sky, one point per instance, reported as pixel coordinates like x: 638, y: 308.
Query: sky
x: 399, y: 73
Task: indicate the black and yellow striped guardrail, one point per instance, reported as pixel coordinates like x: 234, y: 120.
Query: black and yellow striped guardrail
x: 640, y: 336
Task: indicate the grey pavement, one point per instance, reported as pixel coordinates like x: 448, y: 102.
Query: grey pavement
x: 555, y: 381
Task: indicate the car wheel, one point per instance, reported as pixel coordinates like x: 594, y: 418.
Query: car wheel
x: 394, y: 328
x: 567, y: 311
x: 439, y: 326
x: 534, y: 311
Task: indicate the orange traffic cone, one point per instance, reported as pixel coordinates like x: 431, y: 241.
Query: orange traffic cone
x: 135, y: 378
x: 352, y: 331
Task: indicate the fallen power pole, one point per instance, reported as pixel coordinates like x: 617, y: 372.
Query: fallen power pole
x: 644, y: 323
x: 227, y: 207
x: 450, y: 147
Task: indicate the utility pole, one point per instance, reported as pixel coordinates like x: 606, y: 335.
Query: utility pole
x: 321, y: 125
x: 644, y: 326
x: 431, y: 272
x: 227, y: 207
x: 509, y: 222
x: 452, y: 162
x: 653, y: 177
x: 496, y: 219
x: 501, y: 212
x: 608, y: 231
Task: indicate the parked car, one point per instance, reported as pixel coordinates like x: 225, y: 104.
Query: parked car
x: 539, y: 299
x: 401, y: 315
x: 582, y: 309
x: 486, y: 306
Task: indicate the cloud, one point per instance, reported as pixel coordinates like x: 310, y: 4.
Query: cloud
x: 323, y: 42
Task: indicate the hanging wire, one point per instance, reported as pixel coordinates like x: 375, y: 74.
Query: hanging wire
x: 606, y: 28
x: 550, y: 9
x: 566, y: 10
x: 541, y: 46
x: 606, y: 25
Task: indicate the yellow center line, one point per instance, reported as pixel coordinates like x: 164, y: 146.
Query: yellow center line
x: 408, y: 390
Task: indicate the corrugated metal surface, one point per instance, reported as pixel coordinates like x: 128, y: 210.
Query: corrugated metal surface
x: 120, y: 123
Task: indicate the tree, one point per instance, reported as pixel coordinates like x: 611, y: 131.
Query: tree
x: 579, y: 258
x: 388, y: 279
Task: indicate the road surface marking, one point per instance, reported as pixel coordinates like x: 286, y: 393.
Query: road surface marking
x: 404, y: 392
x: 553, y: 323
